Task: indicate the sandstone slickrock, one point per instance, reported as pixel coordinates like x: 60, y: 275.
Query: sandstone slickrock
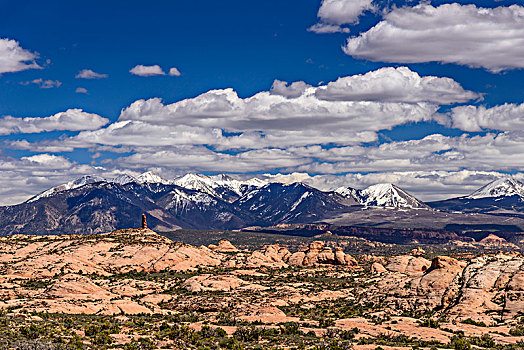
x: 489, y: 288
x: 315, y: 253
x: 318, y: 253
x: 224, y: 246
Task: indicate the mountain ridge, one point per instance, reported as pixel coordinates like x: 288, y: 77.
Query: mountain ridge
x: 223, y: 202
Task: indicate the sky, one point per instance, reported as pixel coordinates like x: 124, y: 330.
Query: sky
x: 424, y: 94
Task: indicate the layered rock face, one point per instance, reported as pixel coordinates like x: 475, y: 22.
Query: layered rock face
x: 486, y: 289
x: 489, y: 288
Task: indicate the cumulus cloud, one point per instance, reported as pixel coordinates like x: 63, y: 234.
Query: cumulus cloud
x: 174, y: 72
x: 72, y: 120
x: 292, y: 90
x: 334, y: 13
x: 43, y: 84
x: 13, y: 58
x: 259, y: 120
x: 147, y: 71
x: 81, y: 90
x: 343, y: 11
x: 506, y: 117
x: 272, y: 111
x: 297, y: 128
x: 395, y: 85
x: 89, y: 74
x: 492, y: 38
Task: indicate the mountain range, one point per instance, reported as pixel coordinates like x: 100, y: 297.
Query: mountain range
x: 92, y: 204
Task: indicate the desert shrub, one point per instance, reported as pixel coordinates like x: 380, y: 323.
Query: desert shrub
x: 517, y: 331
x: 486, y: 341
x: 247, y: 334
x: 33, y: 331
x: 140, y: 344
x: 326, y: 322
x: 225, y: 318
x: 429, y: 323
x: 459, y: 343
x: 475, y: 323
x: 289, y: 328
x: 106, y: 327
x: 334, y: 345
x: 208, y: 332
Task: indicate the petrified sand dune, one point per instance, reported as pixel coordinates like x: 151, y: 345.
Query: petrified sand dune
x: 101, y: 274
x: 315, y: 253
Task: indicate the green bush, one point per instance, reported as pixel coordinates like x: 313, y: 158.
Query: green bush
x: 429, y: 323
x: 475, y: 323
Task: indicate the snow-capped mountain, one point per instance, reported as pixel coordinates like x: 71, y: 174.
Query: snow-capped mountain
x: 293, y: 203
x: 147, y: 177
x: 86, y: 179
x: 382, y: 195
x: 504, y: 187
x: 221, y: 186
x: 151, y: 177
x: 94, y: 204
x: 503, y: 196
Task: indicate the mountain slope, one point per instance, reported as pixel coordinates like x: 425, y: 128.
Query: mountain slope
x: 296, y: 203
x: 91, y: 208
x: 502, y: 196
x: 221, y: 186
x: 383, y: 195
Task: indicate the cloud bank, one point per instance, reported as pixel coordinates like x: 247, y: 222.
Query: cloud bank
x: 71, y: 120
x: 492, y: 38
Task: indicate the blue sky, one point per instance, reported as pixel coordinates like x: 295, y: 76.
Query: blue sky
x: 475, y: 132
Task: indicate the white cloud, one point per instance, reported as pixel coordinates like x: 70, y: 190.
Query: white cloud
x: 395, y: 85
x: 174, y: 72
x: 270, y: 111
x: 20, y: 179
x: 323, y: 28
x: 343, y: 11
x: 147, y: 71
x: 81, y: 90
x: 201, y: 159
x: 89, y: 74
x: 14, y: 58
x: 491, y: 152
x: 72, y: 120
x: 506, y: 117
x: 425, y: 185
x: 43, y: 84
x: 292, y: 90
x: 492, y: 38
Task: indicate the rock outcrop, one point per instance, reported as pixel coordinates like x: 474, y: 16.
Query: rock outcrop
x: 224, y: 246
x: 315, y: 253
x: 489, y: 288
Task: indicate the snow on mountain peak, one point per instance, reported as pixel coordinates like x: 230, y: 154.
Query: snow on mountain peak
x: 218, y: 185
x: 503, y: 187
x: 382, y: 195
x: 84, y: 180
x: 151, y: 177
